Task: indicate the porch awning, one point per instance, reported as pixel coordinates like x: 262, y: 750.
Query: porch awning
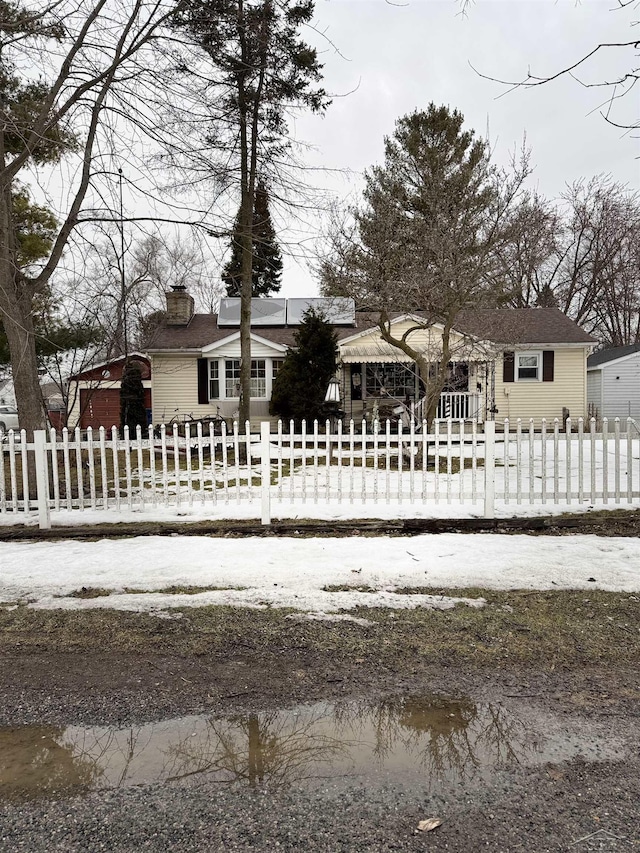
x: 382, y: 352
x: 372, y: 354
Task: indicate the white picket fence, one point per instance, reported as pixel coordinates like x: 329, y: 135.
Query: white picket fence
x: 457, y: 463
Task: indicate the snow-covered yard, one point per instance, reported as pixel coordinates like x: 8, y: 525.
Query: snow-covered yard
x: 532, y: 474
x: 314, y: 575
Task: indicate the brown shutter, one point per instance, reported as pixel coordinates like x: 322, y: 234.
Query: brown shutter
x: 508, y: 366
x: 203, y: 381
x: 547, y: 365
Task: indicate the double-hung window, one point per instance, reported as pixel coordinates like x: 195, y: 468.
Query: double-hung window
x: 232, y: 377
x: 221, y: 379
x: 276, y: 364
x: 528, y: 366
x: 258, y: 378
x: 214, y: 380
x: 258, y: 387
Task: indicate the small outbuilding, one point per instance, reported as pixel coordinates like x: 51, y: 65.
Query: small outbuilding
x: 94, y: 393
x: 613, y: 384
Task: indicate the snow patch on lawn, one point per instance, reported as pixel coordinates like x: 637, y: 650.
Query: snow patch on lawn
x: 297, y: 573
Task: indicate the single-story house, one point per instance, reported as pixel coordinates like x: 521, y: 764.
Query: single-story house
x: 94, y: 393
x: 613, y: 383
x: 515, y: 363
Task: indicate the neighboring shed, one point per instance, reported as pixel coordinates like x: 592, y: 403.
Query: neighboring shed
x: 613, y: 383
x: 94, y: 393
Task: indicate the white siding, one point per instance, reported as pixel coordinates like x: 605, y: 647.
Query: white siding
x: 621, y: 389
x: 594, y: 389
x: 232, y: 350
x: 175, y: 391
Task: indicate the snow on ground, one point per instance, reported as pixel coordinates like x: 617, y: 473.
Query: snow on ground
x: 294, y: 572
x: 323, y: 510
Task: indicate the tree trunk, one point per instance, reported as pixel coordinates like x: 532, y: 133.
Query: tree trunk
x: 15, y: 310
x: 18, y: 326
x: 434, y: 386
x: 249, y: 111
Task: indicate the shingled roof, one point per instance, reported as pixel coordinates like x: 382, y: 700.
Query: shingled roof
x: 520, y: 326
x: 613, y: 354
x: 514, y: 326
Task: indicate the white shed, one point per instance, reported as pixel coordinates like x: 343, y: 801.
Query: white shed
x: 613, y: 383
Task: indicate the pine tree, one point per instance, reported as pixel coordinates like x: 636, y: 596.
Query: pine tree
x: 435, y: 218
x: 133, y: 411
x: 262, y: 71
x: 301, y: 384
x: 266, y: 271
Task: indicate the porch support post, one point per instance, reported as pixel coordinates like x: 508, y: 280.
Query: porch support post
x: 265, y: 471
x: 42, y: 478
x: 489, y: 469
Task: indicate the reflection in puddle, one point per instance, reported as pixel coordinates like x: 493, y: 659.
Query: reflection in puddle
x: 425, y: 741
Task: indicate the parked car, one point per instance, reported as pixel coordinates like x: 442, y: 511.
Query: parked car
x: 8, y: 418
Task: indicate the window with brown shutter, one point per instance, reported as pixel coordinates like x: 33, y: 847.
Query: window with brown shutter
x: 547, y: 365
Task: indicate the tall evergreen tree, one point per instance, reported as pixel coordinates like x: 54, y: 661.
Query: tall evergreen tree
x: 261, y: 71
x: 133, y: 411
x: 429, y: 236
x: 301, y: 384
x: 266, y: 271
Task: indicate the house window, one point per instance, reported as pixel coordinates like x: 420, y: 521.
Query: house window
x: 232, y: 378
x: 214, y: 380
x: 258, y: 377
x: 258, y: 387
x: 390, y: 380
x: 276, y: 364
x: 528, y: 366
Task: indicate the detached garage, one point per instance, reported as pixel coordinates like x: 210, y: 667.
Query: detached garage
x: 613, y: 384
x: 94, y: 394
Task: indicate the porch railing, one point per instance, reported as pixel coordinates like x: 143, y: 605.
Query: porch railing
x: 457, y: 405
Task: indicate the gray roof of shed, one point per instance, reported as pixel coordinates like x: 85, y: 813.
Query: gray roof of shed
x: 612, y: 354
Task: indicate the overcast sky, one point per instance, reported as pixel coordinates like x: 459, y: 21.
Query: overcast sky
x: 393, y: 59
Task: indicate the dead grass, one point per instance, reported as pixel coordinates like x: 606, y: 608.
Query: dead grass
x: 88, y: 592
x: 178, y: 589
x: 541, y: 629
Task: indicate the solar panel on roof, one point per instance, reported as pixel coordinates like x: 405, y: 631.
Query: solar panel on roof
x: 264, y: 312
x: 337, y: 310
x: 229, y: 312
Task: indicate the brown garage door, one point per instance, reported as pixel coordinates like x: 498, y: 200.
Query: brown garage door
x: 101, y: 407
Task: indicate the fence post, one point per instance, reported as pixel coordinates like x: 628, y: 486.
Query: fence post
x: 489, y: 469
x: 42, y: 478
x: 265, y: 471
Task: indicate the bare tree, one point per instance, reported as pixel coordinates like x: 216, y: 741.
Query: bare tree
x: 87, y: 56
x: 598, y: 280
x: 615, y: 86
x: 125, y: 294
x: 529, y: 260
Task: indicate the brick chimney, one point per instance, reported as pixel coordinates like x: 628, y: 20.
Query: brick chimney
x: 180, y: 306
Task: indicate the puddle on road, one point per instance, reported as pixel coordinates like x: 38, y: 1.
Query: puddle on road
x: 421, y: 742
